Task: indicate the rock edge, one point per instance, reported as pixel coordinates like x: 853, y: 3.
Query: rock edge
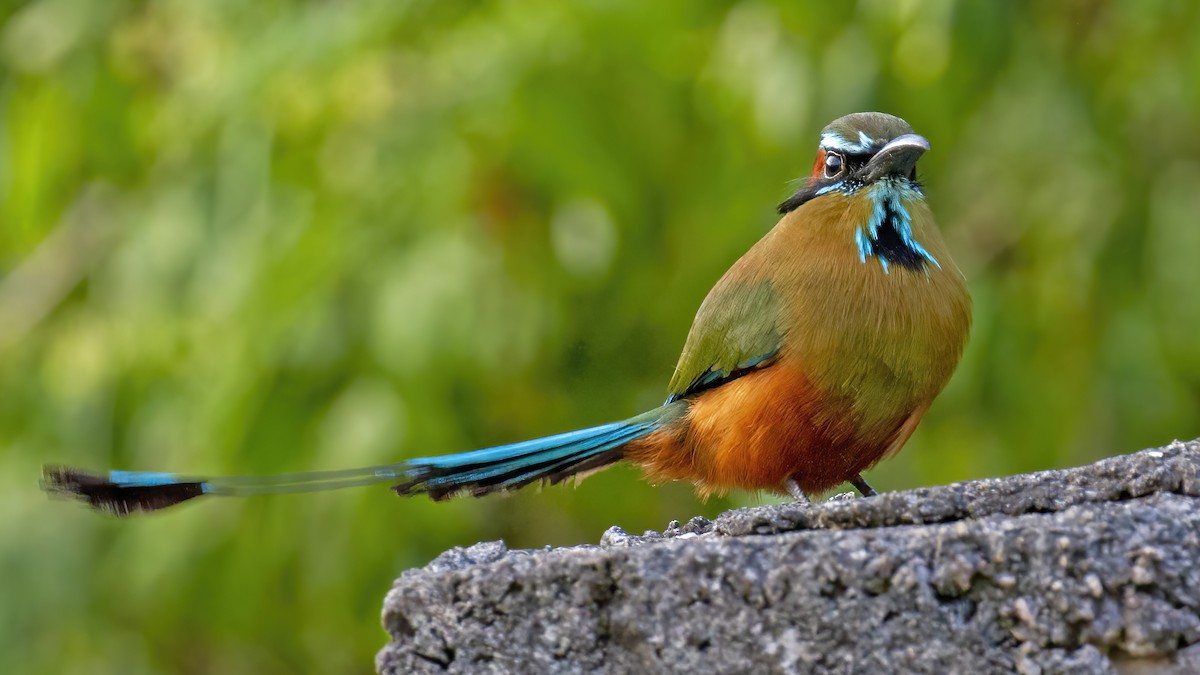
x: 1094, y: 569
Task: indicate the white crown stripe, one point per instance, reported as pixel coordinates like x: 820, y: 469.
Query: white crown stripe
x: 832, y: 140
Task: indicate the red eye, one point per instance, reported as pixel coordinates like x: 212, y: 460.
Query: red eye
x: 833, y: 165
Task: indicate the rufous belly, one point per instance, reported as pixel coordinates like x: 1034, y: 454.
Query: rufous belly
x: 759, y: 430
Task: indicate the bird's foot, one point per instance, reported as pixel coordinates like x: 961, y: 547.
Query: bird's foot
x: 794, y: 490
x: 842, y: 497
x: 863, y: 486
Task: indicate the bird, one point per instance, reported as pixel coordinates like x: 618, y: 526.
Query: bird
x: 813, y: 357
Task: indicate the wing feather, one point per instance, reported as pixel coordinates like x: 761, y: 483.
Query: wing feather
x: 735, y: 331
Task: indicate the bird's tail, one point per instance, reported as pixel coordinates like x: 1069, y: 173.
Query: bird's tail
x: 505, y: 467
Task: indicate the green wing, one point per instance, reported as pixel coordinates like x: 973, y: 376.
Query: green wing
x: 736, y: 330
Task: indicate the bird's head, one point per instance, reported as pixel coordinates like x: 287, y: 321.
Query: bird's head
x: 859, y: 150
x: 872, y: 156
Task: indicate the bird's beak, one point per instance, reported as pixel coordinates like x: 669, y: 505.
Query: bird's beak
x: 897, y: 158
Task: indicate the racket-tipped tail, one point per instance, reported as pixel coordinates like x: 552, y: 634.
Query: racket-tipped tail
x: 151, y: 493
x: 503, y: 468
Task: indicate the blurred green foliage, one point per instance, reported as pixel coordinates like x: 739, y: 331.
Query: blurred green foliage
x: 254, y: 237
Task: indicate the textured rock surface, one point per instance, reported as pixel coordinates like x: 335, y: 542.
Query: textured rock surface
x: 1087, y: 570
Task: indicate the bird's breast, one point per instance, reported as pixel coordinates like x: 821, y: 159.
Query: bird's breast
x: 884, y: 338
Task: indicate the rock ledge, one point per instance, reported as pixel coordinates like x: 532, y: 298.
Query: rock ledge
x: 1088, y: 570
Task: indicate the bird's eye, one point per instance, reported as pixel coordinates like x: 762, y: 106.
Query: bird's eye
x: 833, y: 164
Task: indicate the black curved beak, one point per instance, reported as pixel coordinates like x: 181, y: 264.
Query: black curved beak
x: 897, y: 158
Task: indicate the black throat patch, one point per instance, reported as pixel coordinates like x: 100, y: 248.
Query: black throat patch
x: 889, y: 245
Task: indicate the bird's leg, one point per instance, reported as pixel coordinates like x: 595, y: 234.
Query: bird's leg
x: 863, y: 486
x: 794, y: 490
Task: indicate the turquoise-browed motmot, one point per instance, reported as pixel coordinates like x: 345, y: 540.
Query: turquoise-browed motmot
x: 815, y: 355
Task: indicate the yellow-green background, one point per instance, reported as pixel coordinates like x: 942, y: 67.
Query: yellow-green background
x: 265, y: 236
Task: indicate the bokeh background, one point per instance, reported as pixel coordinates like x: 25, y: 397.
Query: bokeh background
x: 266, y: 236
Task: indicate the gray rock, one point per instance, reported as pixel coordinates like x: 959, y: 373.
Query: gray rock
x: 1087, y: 570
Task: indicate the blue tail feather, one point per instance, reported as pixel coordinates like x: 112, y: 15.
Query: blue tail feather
x: 515, y: 450
x: 536, y: 456
x: 477, y: 472
x: 571, y: 466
